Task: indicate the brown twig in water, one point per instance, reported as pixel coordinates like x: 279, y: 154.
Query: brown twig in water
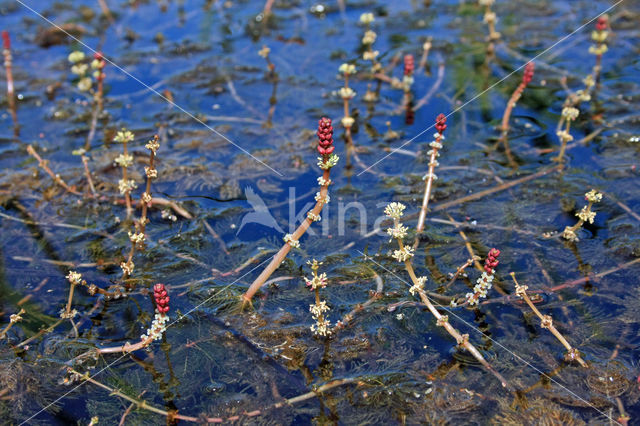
x: 56, y: 178
x: 142, y: 404
x: 547, y: 322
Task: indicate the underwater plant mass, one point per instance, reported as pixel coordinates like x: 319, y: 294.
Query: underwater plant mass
x: 285, y: 212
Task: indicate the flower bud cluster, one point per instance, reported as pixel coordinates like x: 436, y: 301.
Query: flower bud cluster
x: 409, y: 68
x: 528, y: 73
x: 599, y: 36
x: 325, y: 136
x: 484, y: 283
x: 161, y: 298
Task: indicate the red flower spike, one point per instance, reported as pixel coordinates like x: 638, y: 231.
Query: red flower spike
x: 441, y: 120
x: 492, y: 260
x: 528, y: 73
x: 161, y: 297
x: 6, y: 41
x: 409, y: 65
x: 325, y: 136
x: 98, y: 56
x: 601, y: 24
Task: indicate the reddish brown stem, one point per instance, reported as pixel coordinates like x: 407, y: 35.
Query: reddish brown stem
x: 56, y: 178
x: 282, y: 254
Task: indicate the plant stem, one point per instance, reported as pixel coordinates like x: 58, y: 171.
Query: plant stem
x: 143, y: 404
x: 427, y: 190
x: 282, y: 253
x: 56, y: 178
x: 546, y: 321
x: 443, y: 321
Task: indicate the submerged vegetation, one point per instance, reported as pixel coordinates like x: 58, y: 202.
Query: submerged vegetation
x: 161, y: 208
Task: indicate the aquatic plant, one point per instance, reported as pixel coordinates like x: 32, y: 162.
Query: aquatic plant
x: 569, y: 114
x: 436, y: 145
x: 527, y: 76
x: 490, y: 18
x: 138, y: 237
x: 322, y: 326
x: 584, y: 215
x: 599, y: 36
x: 547, y: 322
x: 326, y: 162
x: 484, y: 283
x: 404, y: 254
x: 125, y: 160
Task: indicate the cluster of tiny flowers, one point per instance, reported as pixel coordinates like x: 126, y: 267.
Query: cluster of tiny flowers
x: 151, y: 173
x: 329, y: 162
x: 292, y: 242
x: 126, y: 186
x: 403, y: 254
x: 146, y: 198
x: 346, y: 93
x: 313, y: 217
x: 124, y: 160
x: 585, y: 215
x: 324, y: 199
x: 324, y: 182
x: 318, y: 309
x: 564, y: 136
x: 153, y: 145
x: 74, y: 277
x: 394, y: 210
x: 593, y: 196
x: 600, y: 37
x: 123, y: 136
x: 570, y: 113
x: 418, y: 286
x: 484, y: 283
x: 398, y: 231
x: 15, y: 318
x: 136, y: 238
x: 369, y: 37
x: 367, y: 18
x: 127, y: 267
x: 316, y: 281
x: 157, y: 328
x: 322, y: 327
x: 264, y: 52
x: 80, y: 68
x: 347, y: 69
